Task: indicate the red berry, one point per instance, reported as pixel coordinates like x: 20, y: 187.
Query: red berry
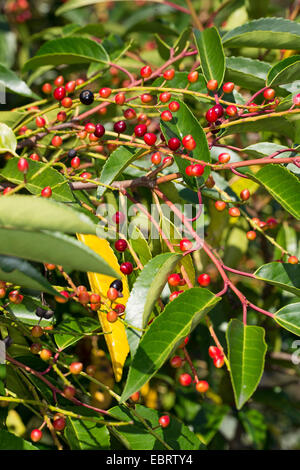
x: 59, y: 93
x: 23, y: 165
x: 61, y: 116
x: 218, y: 109
x: 231, y: 110
x: 212, y: 85
x: 36, y: 435
x: 112, y: 316
x: 146, y: 98
x: 84, y: 297
x: 126, y: 268
x: 15, y: 297
x: 251, y: 235
x: 140, y: 130
x: 293, y: 260
x: 174, y: 279
x: 35, y: 348
x: 121, y: 245
x: 59, y: 424
x: 120, y: 99
x: 197, y: 170
x: 269, y: 94
x: 95, y: 298
x: 120, y: 127
x: 64, y: 297
x: 211, y: 115
x: 193, y: 76
x: 112, y: 294
x: 129, y: 113
x: 146, y: 71
x: 253, y: 108
x: 40, y: 121
x: 105, y: 92
x: 224, y: 157
x: 189, y: 170
x: 219, y: 362
x: 184, y: 343
x: 169, y: 74
x: 59, y: 80
x: 164, y: 421
x: 234, y: 212
x: 135, y: 396
x: 202, y: 386
x: 46, y: 192
x: 245, y: 194
x: 47, y: 88
x: 76, y: 368
x: 174, y: 143
x: 296, y: 100
x: 150, y: 138
x: 56, y: 141
x: 156, y: 158
x: 220, y: 205
x: 228, y: 87
x: 204, y: 280
x: 118, y: 217
x: 175, y: 294
x: 165, y: 97
x: 75, y: 162
x: 272, y: 223
x: 35, y: 157
x: 188, y: 142
x: 99, y: 130
x: 90, y: 127
x: 70, y: 86
x: 166, y: 116
x: 213, y: 351
x: 185, y: 244
x: 37, y: 331
x: 174, y: 106
x: 67, y: 102
x: 185, y: 380
x: 176, y: 362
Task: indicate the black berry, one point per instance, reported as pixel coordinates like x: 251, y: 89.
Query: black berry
x: 117, y: 284
x: 72, y: 153
x: 86, y: 97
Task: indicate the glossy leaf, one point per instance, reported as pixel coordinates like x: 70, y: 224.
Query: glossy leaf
x: 287, y: 238
x: 212, y: 57
x: 277, y: 124
x: 21, y: 273
x: 182, y: 124
x: 144, y: 294
x: 269, y: 33
x: 52, y: 247
x: 70, y: 50
x: 283, y: 275
x: 282, y: 185
x: 165, y: 333
x: 115, y: 165
x: 84, y: 434
x: 209, y: 420
x: 136, y: 437
x: 285, y: 71
x: 71, y: 330
x: 8, y: 141
x: 72, y: 4
x: 9, y: 441
x: 38, y: 177
x: 246, y: 354
x: 14, y: 84
x: 115, y: 336
x: 255, y: 425
x: 27, y: 212
x: 288, y: 318
x: 25, y: 312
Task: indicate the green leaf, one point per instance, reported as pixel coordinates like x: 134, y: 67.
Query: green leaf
x: 287, y: 238
x: 165, y: 333
x: 25, y: 312
x: 264, y: 149
x: 144, y: 294
x: 70, y: 50
x: 282, y: 185
x: 247, y: 73
x: 277, y: 124
x: 115, y: 165
x: 246, y: 354
x: 140, y: 246
x: 255, y: 426
x: 285, y: 71
x: 137, y: 437
x: 182, y: 40
x: 182, y: 124
x: 8, y: 141
x: 180, y: 81
x: 14, y: 84
x: 71, y: 330
x: 37, y: 213
x: 12, y: 118
x: 52, y: 247
x: 94, y: 29
x: 72, y: 4
x: 284, y: 275
x: 288, y: 318
x: 211, y: 54
x: 9, y: 441
x: 269, y: 33
x: 21, y: 273
x: 38, y: 177
x: 84, y: 434
x: 209, y: 420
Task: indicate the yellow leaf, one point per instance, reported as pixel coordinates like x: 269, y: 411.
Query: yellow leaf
x: 116, y: 340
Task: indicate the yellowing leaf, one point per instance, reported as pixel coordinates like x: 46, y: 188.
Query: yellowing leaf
x: 116, y: 340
